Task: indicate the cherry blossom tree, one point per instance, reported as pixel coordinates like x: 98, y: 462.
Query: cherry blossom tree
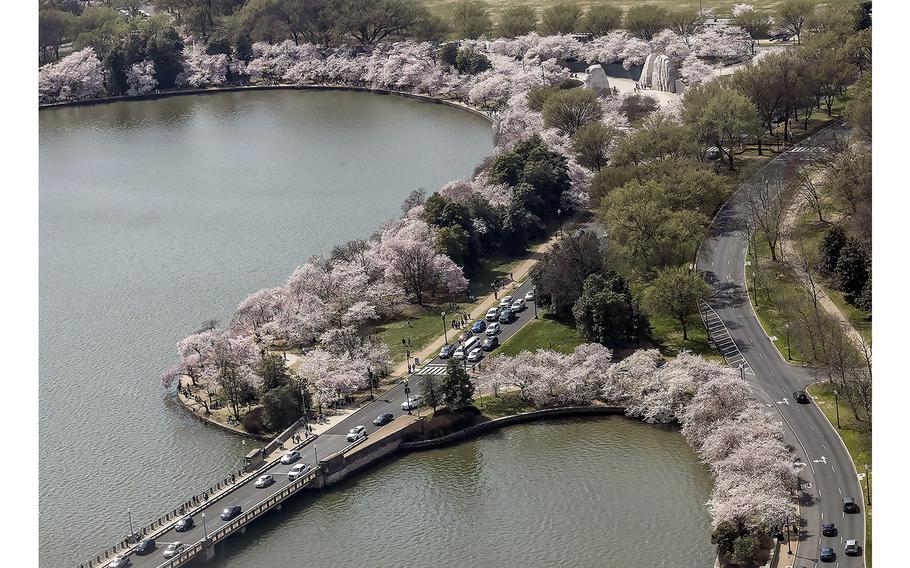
x: 77, y: 76
x: 201, y: 69
x: 140, y: 78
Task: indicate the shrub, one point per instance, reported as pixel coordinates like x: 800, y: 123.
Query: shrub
x: 252, y: 421
x: 570, y: 110
x: 638, y: 106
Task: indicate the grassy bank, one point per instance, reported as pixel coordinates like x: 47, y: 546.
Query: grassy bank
x: 858, y: 441
x: 546, y: 332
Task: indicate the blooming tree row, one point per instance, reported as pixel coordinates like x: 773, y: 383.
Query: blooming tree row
x: 740, y: 443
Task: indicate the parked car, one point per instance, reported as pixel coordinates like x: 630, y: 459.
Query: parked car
x: 851, y: 548
x: 411, y: 403
x: 145, y: 546
x: 446, y: 351
x: 173, y: 549
x: 356, y: 433
x: 529, y: 297
x: 230, y: 512
x: 185, y: 524
x: 479, y: 326
x: 828, y: 529
x: 290, y: 457
x: 493, y: 329
x: 826, y: 554
x: 465, y: 335
x: 120, y: 561
x: 264, y: 481
x: 383, y: 419
x: 492, y: 314
x: 518, y: 305
x: 490, y: 343
x: 505, y: 302
x: 850, y: 505
x: 506, y: 316
x: 801, y: 397
x: 475, y: 355
x: 298, y: 470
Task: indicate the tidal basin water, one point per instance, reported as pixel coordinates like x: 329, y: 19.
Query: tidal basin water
x: 604, y: 493
x: 157, y: 215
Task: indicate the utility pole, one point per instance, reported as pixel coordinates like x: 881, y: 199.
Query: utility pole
x: 445, y: 333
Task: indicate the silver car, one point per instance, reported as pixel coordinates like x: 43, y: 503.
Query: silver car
x: 356, y: 433
x: 290, y: 457
x: 505, y: 302
x: 475, y: 355
x: 518, y: 305
x: 529, y: 297
x: 173, y: 549
x: 264, y: 481
x: 120, y: 561
x: 298, y: 471
x: 493, y: 329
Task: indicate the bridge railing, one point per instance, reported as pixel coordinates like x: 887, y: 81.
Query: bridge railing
x: 190, y: 507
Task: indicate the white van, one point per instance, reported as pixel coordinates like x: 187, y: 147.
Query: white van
x: 469, y: 344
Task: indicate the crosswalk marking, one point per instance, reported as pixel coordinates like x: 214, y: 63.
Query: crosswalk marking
x: 433, y: 370
x: 720, y: 336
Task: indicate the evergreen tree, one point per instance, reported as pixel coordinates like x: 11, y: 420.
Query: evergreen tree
x: 457, y: 389
x: 829, y: 249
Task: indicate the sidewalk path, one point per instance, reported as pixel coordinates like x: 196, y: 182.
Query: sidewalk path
x: 788, y: 247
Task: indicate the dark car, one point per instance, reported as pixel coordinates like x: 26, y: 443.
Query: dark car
x: 145, y: 546
x: 826, y: 554
x: 230, y: 512
x: 801, y: 397
x: 850, y: 505
x: 465, y: 336
x: 479, y: 326
x: 828, y: 529
x: 382, y: 419
x: 447, y: 351
x: 185, y: 524
x: 490, y: 343
x: 506, y: 316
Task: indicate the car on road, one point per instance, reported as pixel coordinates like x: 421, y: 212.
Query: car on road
x: 490, y: 343
x: 505, y: 302
x: 264, y: 481
x: 494, y: 329
x: 185, y: 524
x: 475, y: 355
x: 298, y: 470
x: 506, y: 316
x: 230, y: 512
x: 446, y: 351
x: 145, y: 546
x: 356, y: 433
x: 828, y: 529
x: 529, y: 297
x: 518, y: 305
x: 120, y: 561
x: 411, y: 403
x: 383, y: 419
x: 290, y: 457
x: 849, y: 505
x: 466, y: 347
x: 479, y: 326
x: 492, y: 314
x: 173, y: 549
x: 801, y: 397
x: 465, y: 336
x: 851, y: 548
x: 826, y: 554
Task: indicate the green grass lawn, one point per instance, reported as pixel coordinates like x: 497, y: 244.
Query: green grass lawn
x: 668, y: 336
x: 857, y: 439
x: 543, y: 333
x: 421, y: 325
x: 506, y: 404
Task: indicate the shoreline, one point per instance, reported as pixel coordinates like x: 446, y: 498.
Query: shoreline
x: 284, y: 87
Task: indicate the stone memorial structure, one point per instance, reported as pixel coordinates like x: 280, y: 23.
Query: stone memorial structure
x: 658, y: 73
x: 596, y: 80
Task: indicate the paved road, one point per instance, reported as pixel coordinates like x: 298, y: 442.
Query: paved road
x: 828, y: 475
x: 330, y: 442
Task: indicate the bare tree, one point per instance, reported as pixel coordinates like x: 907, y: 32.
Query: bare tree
x: 766, y: 204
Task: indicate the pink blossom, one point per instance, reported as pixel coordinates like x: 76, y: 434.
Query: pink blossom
x: 141, y: 78
x: 77, y: 76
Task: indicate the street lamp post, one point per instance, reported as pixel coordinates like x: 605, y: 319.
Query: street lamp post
x: 742, y: 371
x: 789, y: 550
x: 535, y: 308
x: 129, y: 516
x: 205, y: 530
x: 407, y: 394
x: 370, y: 379
x: 836, y: 409
x: 559, y: 215
x: 787, y: 326
x: 445, y: 333
x: 868, y: 487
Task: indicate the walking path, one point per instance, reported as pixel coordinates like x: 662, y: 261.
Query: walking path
x: 790, y: 251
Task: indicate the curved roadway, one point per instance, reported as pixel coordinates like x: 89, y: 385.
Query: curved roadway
x: 326, y: 444
x: 828, y: 474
